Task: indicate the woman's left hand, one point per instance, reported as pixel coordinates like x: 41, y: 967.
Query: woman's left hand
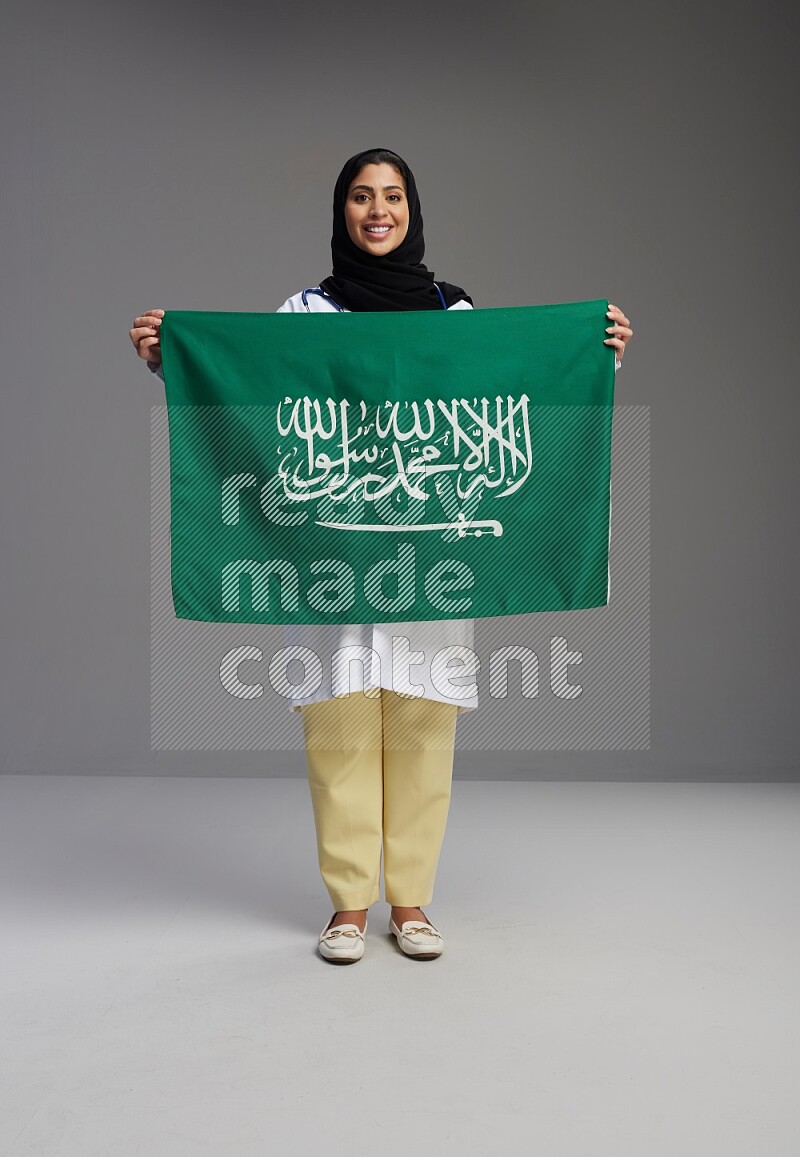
x: 621, y: 329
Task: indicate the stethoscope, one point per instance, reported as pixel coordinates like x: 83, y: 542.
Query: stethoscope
x: 341, y: 309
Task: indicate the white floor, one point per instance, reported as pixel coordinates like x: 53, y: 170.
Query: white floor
x: 620, y: 976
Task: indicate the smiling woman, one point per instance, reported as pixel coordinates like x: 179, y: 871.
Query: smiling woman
x: 372, y: 270
x: 379, y: 760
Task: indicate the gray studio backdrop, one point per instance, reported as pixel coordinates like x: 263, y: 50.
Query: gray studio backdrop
x: 183, y: 156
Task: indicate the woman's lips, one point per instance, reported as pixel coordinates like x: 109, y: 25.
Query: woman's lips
x: 378, y: 236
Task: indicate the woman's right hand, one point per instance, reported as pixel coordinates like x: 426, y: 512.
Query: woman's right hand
x: 144, y: 335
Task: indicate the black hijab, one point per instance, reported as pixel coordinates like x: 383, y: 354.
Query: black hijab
x: 363, y: 281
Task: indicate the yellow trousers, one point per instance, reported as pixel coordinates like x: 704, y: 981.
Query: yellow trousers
x: 380, y: 768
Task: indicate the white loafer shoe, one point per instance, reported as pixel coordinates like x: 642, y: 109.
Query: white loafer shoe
x: 343, y: 944
x: 418, y: 939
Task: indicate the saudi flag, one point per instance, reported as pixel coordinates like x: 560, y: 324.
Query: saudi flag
x: 388, y: 467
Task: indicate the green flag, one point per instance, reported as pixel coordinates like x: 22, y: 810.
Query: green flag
x: 388, y: 467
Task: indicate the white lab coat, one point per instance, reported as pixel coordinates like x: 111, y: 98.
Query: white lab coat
x: 438, y: 661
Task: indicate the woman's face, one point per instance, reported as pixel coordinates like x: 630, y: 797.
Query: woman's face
x: 376, y: 200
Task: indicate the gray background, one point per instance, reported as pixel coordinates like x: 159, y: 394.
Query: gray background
x: 183, y: 156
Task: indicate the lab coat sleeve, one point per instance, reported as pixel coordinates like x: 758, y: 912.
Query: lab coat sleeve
x: 293, y: 304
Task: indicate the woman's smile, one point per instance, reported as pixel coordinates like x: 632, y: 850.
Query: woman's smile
x: 377, y: 234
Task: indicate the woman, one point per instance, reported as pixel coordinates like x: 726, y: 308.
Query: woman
x: 379, y: 761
